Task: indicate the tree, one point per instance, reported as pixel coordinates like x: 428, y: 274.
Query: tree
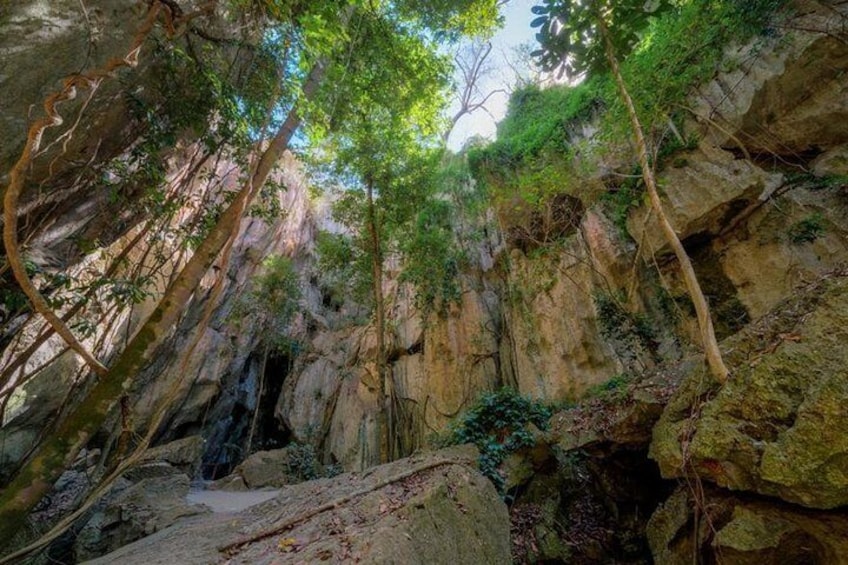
x: 472, y: 62
x: 324, y: 38
x: 585, y: 36
x: 382, y: 151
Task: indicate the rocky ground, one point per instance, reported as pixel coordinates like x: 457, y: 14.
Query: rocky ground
x: 433, y: 508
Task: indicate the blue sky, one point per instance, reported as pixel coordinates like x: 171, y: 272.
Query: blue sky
x: 515, y: 32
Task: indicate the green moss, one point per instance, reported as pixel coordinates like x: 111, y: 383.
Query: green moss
x: 777, y: 426
x: 807, y: 230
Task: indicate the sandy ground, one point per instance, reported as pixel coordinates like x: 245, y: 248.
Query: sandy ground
x: 225, y: 501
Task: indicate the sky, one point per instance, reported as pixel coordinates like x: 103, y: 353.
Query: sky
x: 515, y: 32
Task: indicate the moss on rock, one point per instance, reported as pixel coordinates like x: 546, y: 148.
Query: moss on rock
x: 778, y: 426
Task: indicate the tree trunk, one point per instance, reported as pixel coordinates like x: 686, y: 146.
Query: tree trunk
x: 383, y: 419
x: 62, y: 446
x: 711, y: 350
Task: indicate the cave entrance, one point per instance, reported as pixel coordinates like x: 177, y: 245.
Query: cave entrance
x: 269, y: 432
x: 247, y: 421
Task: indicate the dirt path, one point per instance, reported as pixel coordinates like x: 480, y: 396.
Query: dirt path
x: 221, y: 501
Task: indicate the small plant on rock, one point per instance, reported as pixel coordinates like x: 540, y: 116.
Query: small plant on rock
x: 807, y: 230
x: 497, y: 425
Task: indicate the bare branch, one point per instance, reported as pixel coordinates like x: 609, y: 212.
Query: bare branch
x: 473, y: 64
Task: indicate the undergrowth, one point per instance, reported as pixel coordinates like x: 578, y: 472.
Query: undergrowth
x: 807, y: 230
x: 497, y: 425
x: 617, y: 323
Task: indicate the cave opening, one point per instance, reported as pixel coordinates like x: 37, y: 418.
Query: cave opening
x: 250, y: 424
x: 270, y: 432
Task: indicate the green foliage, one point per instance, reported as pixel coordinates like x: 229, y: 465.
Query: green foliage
x: 570, y: 37
x: 536, y: 125
x: 302, y: 463
x: 434, y: 242
x: 665, y: 54
x: 496, y: 424
x: 539, y: 117
x: 613, y: 389
x: 834, y: 181
x: 807, y: 230
x: 345, y: 268
x: 274, y: 297
x: 431, y: 259
x: 810, y: 181
x: 619, y: 202
x: 681, y: 49
x: 453, y: 17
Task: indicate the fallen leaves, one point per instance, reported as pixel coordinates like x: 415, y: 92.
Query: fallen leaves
x: 288, y: 545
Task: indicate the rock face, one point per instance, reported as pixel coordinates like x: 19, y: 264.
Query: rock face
x: 49, y: 32
x: 777, y: 427
x: 531, y: 317
x: 558, y: 321
x: 702, y: 190
x: 789, y: 100
x: 556, y: 356
x: 426, y: 509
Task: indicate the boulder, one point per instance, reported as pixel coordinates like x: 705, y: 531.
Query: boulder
x: 831, y: 162
x: 132, y: 511
x: 276, y: 468
x: 745, y: 532
x: 701, y: 192
x: 777, y: 427
x: 617, y: 418
x: 184, y: 454
x: 430, y: 508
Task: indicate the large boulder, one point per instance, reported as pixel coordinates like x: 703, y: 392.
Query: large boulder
x: 777, y: 427
x: 132, y: 511
x: 183, y: 454
x: 432, y: 508
x: 744, y: 532
x: 701, y: 192
x: 275, y: 468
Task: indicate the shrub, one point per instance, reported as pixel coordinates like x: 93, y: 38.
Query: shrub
x: 680, y: 49
x: 497, y: 425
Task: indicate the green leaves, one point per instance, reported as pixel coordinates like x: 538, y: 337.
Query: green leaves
x: 569, y: 35
x: 497, y: 425
x: 274, y: 297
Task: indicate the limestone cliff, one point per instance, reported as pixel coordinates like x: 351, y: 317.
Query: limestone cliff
x: 557, y: 304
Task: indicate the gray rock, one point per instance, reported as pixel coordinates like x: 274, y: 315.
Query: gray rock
x: 130, y: 513
x: 431, y: 508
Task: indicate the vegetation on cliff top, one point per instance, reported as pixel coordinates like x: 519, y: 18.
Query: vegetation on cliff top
x: 680, y: 49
